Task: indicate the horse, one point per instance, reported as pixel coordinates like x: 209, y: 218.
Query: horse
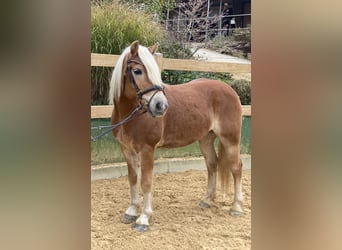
x: 171, y: 116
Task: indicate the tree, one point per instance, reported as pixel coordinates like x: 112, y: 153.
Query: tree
x: 195, y: 22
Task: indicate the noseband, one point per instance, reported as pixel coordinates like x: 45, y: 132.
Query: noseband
x: 140, y: 93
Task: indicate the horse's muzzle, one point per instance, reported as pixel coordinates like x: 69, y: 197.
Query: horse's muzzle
x: 157, y: 105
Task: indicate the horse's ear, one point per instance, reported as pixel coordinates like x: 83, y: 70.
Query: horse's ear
x: 153, y: 49
x: 134, y: 48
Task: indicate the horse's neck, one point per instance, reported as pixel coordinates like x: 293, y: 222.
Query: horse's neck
x: 124, y: 107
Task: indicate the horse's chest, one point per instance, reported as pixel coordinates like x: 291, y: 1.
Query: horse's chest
x: 125, y: 139
x: 137, y: 137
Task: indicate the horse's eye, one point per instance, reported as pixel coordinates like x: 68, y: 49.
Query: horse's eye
x: 137, y: 71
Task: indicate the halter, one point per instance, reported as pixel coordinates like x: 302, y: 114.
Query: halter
x: 140, y: 93
x: 137, y: 110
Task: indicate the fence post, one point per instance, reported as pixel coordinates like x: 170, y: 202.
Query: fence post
x: 159, y: 59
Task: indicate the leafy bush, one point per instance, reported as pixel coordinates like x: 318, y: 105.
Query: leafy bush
x: 243, y: 89
x: 173, y: 48
x: 177, y: 77
x: 113, y: 27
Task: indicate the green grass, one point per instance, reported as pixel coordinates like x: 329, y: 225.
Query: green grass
x: 107, y: 149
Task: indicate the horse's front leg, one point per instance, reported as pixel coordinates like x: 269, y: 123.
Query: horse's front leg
x: 133, y: 164
x: 147, y: 161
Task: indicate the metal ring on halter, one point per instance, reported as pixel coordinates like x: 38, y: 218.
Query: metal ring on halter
x: 146, y: 105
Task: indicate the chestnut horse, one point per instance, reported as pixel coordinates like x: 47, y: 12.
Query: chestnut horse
x: 173, y: 116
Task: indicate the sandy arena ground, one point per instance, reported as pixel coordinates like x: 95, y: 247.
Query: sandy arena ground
x: 177, y: 223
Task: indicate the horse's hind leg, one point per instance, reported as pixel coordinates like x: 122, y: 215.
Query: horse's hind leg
x: 236, y: 209
x: 208, y: 151
x: 230, y: 162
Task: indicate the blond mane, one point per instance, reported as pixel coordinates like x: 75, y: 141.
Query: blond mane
x: 150, y: 64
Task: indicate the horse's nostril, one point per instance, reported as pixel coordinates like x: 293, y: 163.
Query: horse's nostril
x: 158, y: 106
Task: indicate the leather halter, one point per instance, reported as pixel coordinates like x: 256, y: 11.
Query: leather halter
x: 140, y: 107
x: 140, y: 92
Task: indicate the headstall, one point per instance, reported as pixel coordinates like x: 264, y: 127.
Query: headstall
x: 140, y: 92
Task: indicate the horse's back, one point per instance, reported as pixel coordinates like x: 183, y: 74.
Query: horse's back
x: 213, y: 95
x: 207, y: 87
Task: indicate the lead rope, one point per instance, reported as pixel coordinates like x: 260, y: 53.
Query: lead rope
x: 111, y: 127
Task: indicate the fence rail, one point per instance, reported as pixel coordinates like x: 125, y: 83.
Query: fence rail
x: 105, y: 111
x: 104, y: 60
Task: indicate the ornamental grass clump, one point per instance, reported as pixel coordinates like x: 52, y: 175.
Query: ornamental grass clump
x: 113, y: 27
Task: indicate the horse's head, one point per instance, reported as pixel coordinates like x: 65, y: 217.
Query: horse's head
x: 140, y: 79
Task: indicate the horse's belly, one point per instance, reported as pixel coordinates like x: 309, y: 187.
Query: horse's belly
x: 175, y: 143
x: 179, y: 137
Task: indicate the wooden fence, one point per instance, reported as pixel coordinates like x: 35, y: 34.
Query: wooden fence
x: 103, y: 60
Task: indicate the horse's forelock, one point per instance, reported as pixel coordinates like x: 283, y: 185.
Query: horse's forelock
x: 150, y: 64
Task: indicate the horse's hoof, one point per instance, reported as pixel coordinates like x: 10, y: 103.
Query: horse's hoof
x: 128, y: 219
x: 235, y: 213
x: 140, y: 228
x: 204, y: 204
